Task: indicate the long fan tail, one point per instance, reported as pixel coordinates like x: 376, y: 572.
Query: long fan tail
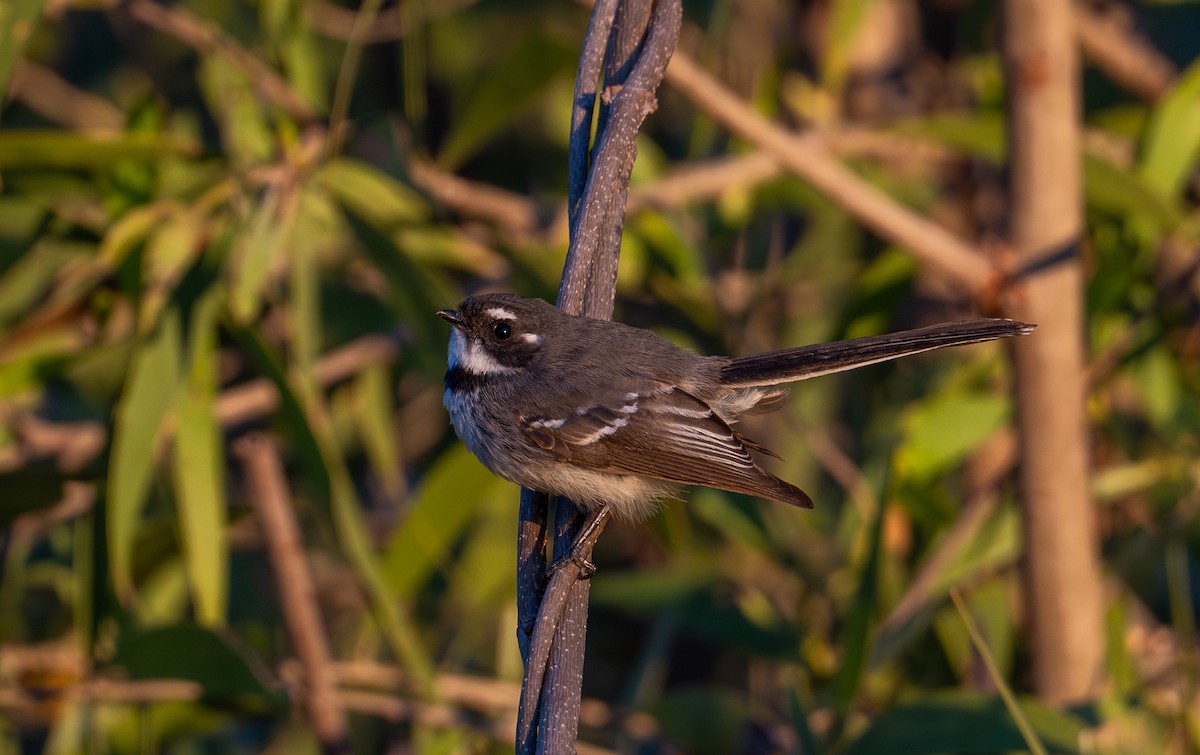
x: 790, y: 365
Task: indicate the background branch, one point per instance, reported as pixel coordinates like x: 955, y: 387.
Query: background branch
x: 808, y: 159
x: 1108, y: 42
x: 1062, y: 575
x: 268, y: 490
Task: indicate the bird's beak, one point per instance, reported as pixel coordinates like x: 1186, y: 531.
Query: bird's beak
x: 450, y: 316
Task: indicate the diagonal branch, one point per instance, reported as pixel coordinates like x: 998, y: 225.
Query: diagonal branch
x: 808, y: 159
x: 297, y: 595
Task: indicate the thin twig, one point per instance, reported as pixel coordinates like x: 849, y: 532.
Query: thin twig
x: 269, y: 494
x: 1028, y: 733
x: 587, y: 82
x: 589, y: 277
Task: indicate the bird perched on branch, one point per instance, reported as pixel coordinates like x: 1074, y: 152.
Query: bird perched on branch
x: 611, y: 415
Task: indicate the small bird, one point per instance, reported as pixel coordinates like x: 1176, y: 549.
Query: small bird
x: 611, y: 415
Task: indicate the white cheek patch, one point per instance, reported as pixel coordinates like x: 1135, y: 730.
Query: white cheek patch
x: 532, y: 338
x: 500, y: 313
x: 469, y: 355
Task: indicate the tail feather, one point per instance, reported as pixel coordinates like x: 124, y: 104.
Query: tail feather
x: 790, y: 365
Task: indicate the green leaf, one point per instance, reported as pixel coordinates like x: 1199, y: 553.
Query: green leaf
x: 941, y: 431
x: 131, y: 229
x: 981, y: 135
x: 305, y: 329
x: 703, y: 611
x: 1126, y: 195
x: 995, y: 543
x: 149, y: 392
x: 844, y: 27
x: 200, y: 471
x: 356, y: 544
x: 963, y: 722
x: 226, y: 672
x: 373, y: 413
x: 448, y: 247
x: 1172, y: 138
x: 512, y: 85
x: 245, y: 133
x: 1157, y: 376
x: 372, y: 195
x: 453, y: 490
x: 169, y: 253
x: 256, y: 250
x: 646, y: 592
x: 18, y: 19
x: 856, y: 634
x: 704, y: 720
x: 32, y: 275
x: 479, y: 589
x: 60, y: 149
x: 1107, y: 188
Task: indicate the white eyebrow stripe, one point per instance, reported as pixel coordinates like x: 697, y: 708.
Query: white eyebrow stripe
x: 500, y: 313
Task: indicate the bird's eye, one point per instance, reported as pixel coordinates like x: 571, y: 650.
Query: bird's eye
x: 502, y: 330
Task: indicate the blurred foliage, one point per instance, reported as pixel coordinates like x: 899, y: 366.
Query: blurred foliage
x: 179, y: 231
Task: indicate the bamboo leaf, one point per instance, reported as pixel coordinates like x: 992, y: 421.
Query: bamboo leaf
x: 57, y: 149
x: 356, y: 544
x: 28, y: 279
x: 1172, y: 141
x: 941, y: 431
x: 18, y: 19
x: 373, y: 412
x: 963, y: 722
x: 514, y: 84
x: 131, y: 229
x: 226, y: 672
x: 149, y: 392
x: 856, y: 636
x: 371, y: 194
x: 200, y: 471
x: 232, y: 99
x: 454, y: 489
x: 169, y: 253
x: 258, y: 248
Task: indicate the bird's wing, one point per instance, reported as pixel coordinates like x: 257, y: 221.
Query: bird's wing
x: 661, y: 432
